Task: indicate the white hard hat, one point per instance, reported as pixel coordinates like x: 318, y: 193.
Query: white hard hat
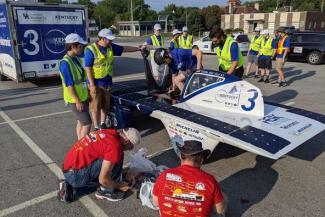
x: 133, y: 135
x: 176, y: 31
x: 265, y: 32
x: 74, y: 38
x: 184, y: 29
x: 106, y: 33
x: 257, y: 29
x: 157, y: 26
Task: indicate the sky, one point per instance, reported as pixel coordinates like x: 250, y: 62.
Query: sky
x: 158, y: 5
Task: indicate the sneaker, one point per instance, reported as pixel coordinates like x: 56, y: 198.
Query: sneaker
x: 283, y: 84
x: 245, y: 76
x: 65, y: 193
x: 103, y: 126
x: 260, y: 80
x: 267, y: 80
x: 117, y: 195
x: 256, y: 76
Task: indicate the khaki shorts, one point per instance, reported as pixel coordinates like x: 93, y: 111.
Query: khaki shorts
x: 101, y: 100
x: 279, y: 64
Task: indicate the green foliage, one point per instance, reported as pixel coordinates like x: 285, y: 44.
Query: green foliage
x: 298, y: 5
x: 212, y: 16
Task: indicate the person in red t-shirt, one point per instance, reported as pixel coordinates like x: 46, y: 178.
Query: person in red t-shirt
x: 188, y: 191
x: 97, y: 160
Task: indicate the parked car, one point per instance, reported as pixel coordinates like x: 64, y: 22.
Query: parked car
x: 205, y: 43
x: 307, y: 46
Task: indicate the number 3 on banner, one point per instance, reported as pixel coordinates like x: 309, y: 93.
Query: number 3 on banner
x: 32, y: 35
x: 251, y: 101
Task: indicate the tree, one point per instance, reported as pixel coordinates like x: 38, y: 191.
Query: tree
x: 90, y: 5
x: 177, y: 12
x: 212, y: 16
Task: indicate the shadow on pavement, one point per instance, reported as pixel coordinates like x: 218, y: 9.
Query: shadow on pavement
x: 302, y: 76
x: 311, y: 149
x: 26, y: 105
x: 23, y: 96
x: 223, y: 151
x: 249, y: 186
x: 282, y: 96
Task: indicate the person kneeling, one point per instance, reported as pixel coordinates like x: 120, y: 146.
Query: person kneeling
x: 96, y: 160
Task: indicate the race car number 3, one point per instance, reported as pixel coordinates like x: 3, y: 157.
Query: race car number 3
x: 251, y: 101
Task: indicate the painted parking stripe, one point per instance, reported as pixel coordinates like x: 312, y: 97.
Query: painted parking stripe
x: 86, y: 201
x: 36, y: 117
x: 26, y: 204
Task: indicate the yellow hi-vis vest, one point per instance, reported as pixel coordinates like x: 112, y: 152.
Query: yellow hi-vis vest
x: 175, y: 43
x: 79, y: 80
x: 155, y: 41
x: 102, y: 64
x: 266, y: 47
x: 185, y: 44
x: 224, y: 55
x: 256, y: 43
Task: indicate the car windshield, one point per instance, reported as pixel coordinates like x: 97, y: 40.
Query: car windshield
x: 200, y: 80
x: 242, y: 38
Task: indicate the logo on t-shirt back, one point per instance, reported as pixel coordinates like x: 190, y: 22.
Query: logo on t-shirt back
x: 200, y: 186
x: 173, y: 177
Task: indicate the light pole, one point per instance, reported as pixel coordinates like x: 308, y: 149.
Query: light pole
x: 186, y: 16
x: 322, y: 6
x: 132, y: 18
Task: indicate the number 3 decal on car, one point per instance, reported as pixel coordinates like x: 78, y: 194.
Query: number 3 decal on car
x: 251, y: 101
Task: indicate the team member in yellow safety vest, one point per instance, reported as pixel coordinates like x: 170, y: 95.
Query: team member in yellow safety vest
x: 98, y: 63
x: 156, y: 40
x: 282, y: 52
x: 265, y: 56
x: 174, y: 42
x: 186, y: 40
x: 254, y: 48
x: 75, y: 91
x: 229, y: 55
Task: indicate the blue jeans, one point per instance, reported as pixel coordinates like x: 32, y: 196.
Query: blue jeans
x: 85, y: 180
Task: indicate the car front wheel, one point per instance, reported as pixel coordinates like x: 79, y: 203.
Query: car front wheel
x: 314, y: 58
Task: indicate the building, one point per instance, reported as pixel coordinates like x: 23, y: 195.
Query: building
x: 145, y: 27
x: 235, y: 7
x: 305, y: 20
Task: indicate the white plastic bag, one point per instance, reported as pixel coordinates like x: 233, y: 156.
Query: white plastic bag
x: 145, y: 194
x: 138, y: 162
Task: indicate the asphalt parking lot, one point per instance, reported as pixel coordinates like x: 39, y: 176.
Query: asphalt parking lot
x: 36, y: 130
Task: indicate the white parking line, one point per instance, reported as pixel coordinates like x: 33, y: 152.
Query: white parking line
x: 26, y: 204
x: 92, y: 207
x: 36, y: 117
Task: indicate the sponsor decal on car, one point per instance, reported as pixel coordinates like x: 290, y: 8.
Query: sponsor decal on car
x: 289, y: 125
x: 229, y: 99
x: 273, y: 119
x: 302, y: 129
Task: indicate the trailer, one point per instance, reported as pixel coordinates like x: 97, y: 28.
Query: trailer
x: 32, y: 37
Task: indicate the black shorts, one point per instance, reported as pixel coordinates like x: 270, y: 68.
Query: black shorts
x: 84, y: 116
x: 238, y: 72
x: 265, y: 63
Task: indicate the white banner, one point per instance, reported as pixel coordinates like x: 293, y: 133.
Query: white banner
x: 49, y: 17
x: 41, y: 68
